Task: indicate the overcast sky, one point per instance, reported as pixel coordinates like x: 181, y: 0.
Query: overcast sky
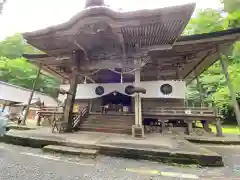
x: 30, y: 15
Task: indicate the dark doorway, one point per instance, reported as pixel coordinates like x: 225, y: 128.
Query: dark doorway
x: 116, y: 98
x: 117, y: 102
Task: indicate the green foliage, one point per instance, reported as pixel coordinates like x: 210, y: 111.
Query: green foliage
x: 236, y: 52
x: 18, y: 71
x: 213, y: 80
x: 234, y: 19
x: 14, y: 46
x: 231, y: 5
x: 208, y: 20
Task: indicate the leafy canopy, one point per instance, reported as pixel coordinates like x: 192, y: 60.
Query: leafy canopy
x: 16, y: 70
x: 213, y: 80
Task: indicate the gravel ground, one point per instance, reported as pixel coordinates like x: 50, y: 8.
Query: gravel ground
x: 23, y: 163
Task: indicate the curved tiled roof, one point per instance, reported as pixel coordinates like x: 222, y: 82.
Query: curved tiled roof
x: 100, y: 30
x: 116, y: 15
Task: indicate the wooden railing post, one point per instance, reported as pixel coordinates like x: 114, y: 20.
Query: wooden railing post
x: 31, y: 95
x: 219, y: 128
x: 190, y: 128
x: 137, y: 128
x: 199, y: 86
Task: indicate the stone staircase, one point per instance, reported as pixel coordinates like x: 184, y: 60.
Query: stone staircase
x: 109, y: 123
x: 90, y: 153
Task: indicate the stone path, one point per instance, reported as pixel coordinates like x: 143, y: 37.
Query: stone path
x: 25, y: 163
x: 154, y: 147
x: 151, y: 142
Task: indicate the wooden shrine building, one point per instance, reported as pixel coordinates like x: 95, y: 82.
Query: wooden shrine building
x: 102, y: 55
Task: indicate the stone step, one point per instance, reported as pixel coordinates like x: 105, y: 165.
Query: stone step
x: 108, y: 119
x: 112, y: 119
x: 107, y: 130
x: 108, y: 122
x: 92, y: 153
x: 106, y: 126
x: 112, y: 114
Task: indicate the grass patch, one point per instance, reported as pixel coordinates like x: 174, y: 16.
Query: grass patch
x: 227, y: 129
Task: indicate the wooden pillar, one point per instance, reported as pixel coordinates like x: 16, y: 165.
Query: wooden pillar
x: 90, y: 105
x: 219, y: 128
x: 31, y: 95
x: 137, y: 129
x: 200, y: 90
x: 140, y: 110
x: 199, y: 87
x: 136, y: 109
x: 178, y: 77
x: 189, y: 128
x: 4, y: 106
x: 138, y: 105
x: 231, y: 89
x: 68, y: 110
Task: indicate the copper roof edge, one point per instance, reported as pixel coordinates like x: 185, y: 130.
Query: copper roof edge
x: 190, y: 7
x: 35, y: 56
x: 216, y: 34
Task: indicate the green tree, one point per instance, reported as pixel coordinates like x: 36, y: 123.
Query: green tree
x: 213, y: 80
x: 207, y: 20
x: 17, y: 70
x: 22, y: 73
x: 14, y: 46
x: 231, y: 6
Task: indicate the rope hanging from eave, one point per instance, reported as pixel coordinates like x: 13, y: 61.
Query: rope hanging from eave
x: 129, y: 72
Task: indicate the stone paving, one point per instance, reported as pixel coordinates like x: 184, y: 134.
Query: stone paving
x: 151, y: 141
x: 26, y: 163
x: 155, y: 147
x: 227, y: 139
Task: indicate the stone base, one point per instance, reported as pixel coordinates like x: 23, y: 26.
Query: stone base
x: 157, y: 148
x: 137, y: 131
x: 92, y: 153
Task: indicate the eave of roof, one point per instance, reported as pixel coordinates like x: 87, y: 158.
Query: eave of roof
x: 117, y: 15
x: 211, y: 35
x: 35, y: 56
x: 230, y: 36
